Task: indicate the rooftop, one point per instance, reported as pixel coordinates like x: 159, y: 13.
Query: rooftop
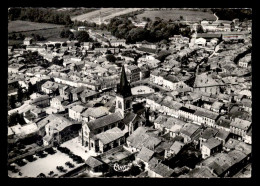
x: 212, y: 143
x: 104, y: 121
x: 110, y: 135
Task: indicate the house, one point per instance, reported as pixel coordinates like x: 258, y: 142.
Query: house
x: 94, y: 113
x: 159, y: 170
x: 42, y: 101
x: 27, y: 41
x: 240, y: 127
x: 248, y: 137
x: 223, y: 123
x: 117, y: 42
x: 223, y: 136
x: 87, y: 45
x: 95, y: 165
x: 205, y: 83
x: 81, y: 28
x: 58, y: 103
x: 226, y: 164
x: 142, y: 137
x: 22, y: 131
x: 134, y: 72
x: 75, y: 93
x: 59, y: 130
x: 200, y: 172
x: 145, y: 155
x: 75, y: 112
x: 189, y: 132
x: 217, y: 106
x: 163, y: 149
x: 211, y: 146
x: 168, y: 124
x: 50, y: 87
x: 109, y: 139
x: 175, y: 148
x: 200, y: 42
x: 247, y: 105
x: 15, y: 68
x: 207, y: 134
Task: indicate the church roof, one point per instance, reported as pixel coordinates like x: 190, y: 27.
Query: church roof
x: 124, y: 88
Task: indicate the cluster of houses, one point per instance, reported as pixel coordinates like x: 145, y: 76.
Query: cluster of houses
x: 203, y: 98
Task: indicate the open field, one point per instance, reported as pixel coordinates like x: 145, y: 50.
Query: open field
x: 24, y: 26
x: 106, y: 14
x: 175, y: 15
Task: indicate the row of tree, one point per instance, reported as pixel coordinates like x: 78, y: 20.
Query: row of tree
x: 41, y: 15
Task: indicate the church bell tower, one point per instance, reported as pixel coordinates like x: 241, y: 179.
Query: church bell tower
x: 123, y: 95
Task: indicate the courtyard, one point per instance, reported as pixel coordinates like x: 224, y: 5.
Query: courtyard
x: 43, y: 165
x: 76, y: 148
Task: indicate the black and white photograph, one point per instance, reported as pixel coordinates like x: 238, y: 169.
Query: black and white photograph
x: 99, y: 92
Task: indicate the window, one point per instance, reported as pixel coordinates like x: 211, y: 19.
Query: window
x: 92, y: 145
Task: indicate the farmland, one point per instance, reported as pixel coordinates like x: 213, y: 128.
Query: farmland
x: 191, y: 15
x: 106, y: 14
x: 22, y: 26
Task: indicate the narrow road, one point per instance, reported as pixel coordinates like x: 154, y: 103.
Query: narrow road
x: 203, y: 60
x: 216, y: 16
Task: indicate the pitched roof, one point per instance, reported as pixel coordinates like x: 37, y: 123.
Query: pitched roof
x: 110, y: 135
x: 78, y: 108
x: 145, y: 154
x: 222, y: 134
x: 93, y: 162
x: 142, y: 137
x: 241, y: 124
x: 189, y: 129
x: 162, y: 170
x: 211, y: 143
x: 209, y: 133
x: 104, y: 121
x: 176, y: 146
x: 201, y: 172
x: 95, y: 112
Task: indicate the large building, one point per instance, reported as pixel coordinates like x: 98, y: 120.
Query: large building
x: 95, y: 133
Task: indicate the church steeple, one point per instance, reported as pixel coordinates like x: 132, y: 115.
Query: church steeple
x: 124, y: 88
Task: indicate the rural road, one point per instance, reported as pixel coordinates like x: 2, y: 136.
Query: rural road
x: 106, y: 14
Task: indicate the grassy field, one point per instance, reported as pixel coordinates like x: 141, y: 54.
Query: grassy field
x: 22, y: 26
x: 49, y: 31
x: 191, y: 15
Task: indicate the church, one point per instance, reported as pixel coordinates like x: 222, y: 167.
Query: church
x: 110, y: 131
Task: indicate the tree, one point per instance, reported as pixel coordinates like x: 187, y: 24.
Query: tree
x: 19, y: 94
x: 12, y: 101
x: 108, y: 52
x: 71, y: 37
x: 30, y: 88
x: 82, y: 36
x: 111, y: 58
